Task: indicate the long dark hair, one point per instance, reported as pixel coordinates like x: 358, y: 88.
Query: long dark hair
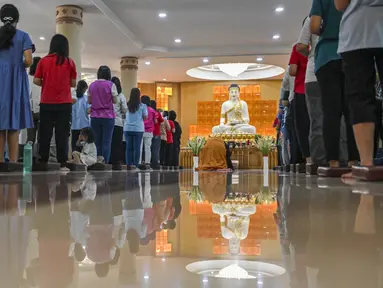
x: 59, y: 46
x: 81, y: 88
x: 117, y: 82
x: 134, y: 100
x: 104, y: 73
x: 32, y: 69
x: 9, y: 15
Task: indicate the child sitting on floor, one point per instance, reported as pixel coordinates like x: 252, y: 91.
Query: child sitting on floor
x: 88, y: 154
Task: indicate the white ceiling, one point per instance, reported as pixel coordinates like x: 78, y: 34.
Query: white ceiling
x: 223, y: 30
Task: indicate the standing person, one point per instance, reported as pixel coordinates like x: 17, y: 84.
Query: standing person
x: 361, y: 46
x: 35, y: 94
x: 164, y: 128
x: 287, y: 96
x: 15, y: 55
x: 80, y: 113
x: 379, y: 115
x: 306, y: 46
x: 156, y: 142
x: 134, y: 128
x: 56, y: 73
x: 325, y: 21
x: 169, y: 144
x: 176, y: 139
x: 102, y: 95
x: 148, y: 134
x: 297, y: 69
x: 119, y: 109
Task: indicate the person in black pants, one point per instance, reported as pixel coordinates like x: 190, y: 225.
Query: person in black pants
x: 325, y: 22
x: 56, y: 73
x: 176, y: 139
x: 297, y: 69
x: 120, y: 109
x: 295, y: 149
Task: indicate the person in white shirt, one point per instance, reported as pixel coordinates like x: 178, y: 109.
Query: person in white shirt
x: 120, y: 109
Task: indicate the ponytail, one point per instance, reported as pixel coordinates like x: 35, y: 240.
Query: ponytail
x: 9, y: 15
x: 7, y: 32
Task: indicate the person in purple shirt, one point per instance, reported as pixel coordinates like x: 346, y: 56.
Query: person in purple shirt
x: 101, y: 95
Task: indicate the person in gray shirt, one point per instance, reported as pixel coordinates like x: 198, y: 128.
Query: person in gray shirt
x: 361, y: 48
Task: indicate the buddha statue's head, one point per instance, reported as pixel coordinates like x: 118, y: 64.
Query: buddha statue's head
x: 234, y: 92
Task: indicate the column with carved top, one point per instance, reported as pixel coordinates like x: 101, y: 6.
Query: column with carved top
x: 69, y: 21
x: 129, y: 68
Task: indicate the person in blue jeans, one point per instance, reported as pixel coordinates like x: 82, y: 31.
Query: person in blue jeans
x: 134, y: 128
x: 102, y: 94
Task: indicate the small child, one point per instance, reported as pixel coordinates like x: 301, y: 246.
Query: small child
x: 88, y: 154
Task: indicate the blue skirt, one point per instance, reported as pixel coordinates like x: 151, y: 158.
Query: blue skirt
x: 15, y: 109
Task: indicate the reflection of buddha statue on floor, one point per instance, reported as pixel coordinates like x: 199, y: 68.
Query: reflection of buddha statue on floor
x: 236, y: 114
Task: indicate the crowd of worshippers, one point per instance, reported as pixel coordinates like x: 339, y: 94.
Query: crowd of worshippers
x: 330, y: 114
x: 104, y: 126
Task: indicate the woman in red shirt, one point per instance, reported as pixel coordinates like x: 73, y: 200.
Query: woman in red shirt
x: 56, y: 74
x: 169, y: 142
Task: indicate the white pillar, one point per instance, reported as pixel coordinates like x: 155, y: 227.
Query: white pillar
x: 129, y: 68
x: 69, y: 21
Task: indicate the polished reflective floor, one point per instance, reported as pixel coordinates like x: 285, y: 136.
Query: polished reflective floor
x: 185, y: 229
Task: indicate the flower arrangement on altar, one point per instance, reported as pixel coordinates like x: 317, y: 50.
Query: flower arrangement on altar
x: 264, y: 144
x: 196, y: 144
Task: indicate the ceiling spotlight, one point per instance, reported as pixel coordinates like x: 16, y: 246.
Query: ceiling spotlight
x: 163, y: 259
x: 279, y: 9
x: 276, y: 36
x: 259, y: 59
x: 205, y: 280
x: 147, y: 63
x: 162, y: 15
x: 146, y: 277
x: 177, y: 40
x: 42, y: 38
x: 205, y: 60
x: 164, y: 79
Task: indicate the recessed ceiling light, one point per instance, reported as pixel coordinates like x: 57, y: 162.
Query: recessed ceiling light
x: 42, y: 38
x: 205, y: 60
x: 146, y: 277
x: 276, y: 36
x: 164, y: 79
x: 259, y: 59
x: 177, y: 40
x: 205, y: 280
x: 147, y: 63
x: 279, y: 9
x: 162, y: 15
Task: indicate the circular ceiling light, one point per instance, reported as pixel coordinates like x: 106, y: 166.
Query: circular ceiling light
x: 279, y: 9
x: 177, y: 40
x: 162, y: 15
x: 164, y: 79
x: 235, y: 71
x: 148, y: 63
x: 42, y: 38
x: 205, y: 60
x: 276, y: 36
x: 235, y: 269
x: 259, y: 59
